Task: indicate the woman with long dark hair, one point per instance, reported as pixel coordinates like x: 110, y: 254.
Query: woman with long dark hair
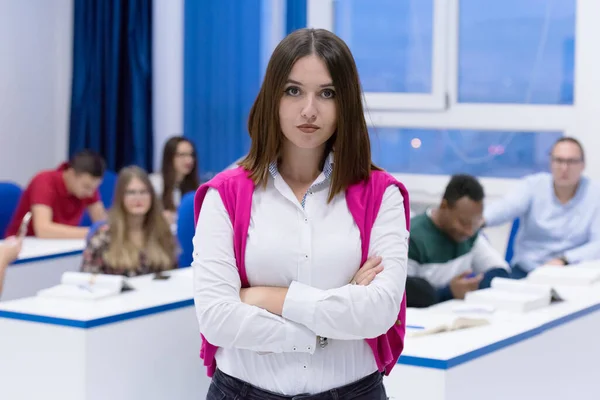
x: 178, y: 176
x: 300, y: 253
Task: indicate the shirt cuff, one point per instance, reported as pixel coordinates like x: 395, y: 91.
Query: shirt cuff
x: 300, y: 339
x: 300, y: 303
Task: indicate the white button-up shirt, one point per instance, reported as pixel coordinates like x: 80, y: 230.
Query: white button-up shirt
x: 314, y: 249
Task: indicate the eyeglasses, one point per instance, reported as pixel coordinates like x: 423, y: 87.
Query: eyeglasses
x: 181, y: 155
x: 140, y: 193
x: 566, y: 161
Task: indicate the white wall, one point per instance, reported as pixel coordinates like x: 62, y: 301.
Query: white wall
x: 35, y: 85
x: 167, y: 64
x: 586, y: 121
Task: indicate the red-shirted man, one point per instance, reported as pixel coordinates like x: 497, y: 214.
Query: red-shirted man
x: 58, y: 198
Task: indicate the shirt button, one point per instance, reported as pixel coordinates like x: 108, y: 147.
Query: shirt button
x: 306, y: 256
x: 294, y: 348
x: 305, y: 219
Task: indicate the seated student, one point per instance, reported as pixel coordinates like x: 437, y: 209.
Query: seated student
x: 559, y: 213
x: 178, y: 176
x: 447, y: 251
x: 9, y: 251
x: 136, y: 239
x: 58, y: 198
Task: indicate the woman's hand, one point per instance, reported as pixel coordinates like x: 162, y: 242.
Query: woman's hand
x: 10, y: 249
x: 368, y: 271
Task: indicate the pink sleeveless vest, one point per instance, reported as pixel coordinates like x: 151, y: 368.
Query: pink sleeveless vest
x: 363, y: 199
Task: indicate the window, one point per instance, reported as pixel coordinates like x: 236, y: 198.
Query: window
x: 393, y: 49
x: 515, y: 51
x: 398, y: 46
x: 446, y: 152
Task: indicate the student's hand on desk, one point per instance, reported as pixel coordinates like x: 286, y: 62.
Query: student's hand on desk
x: 367, y: 272
x: 10, y: 249
x: 460, y: 285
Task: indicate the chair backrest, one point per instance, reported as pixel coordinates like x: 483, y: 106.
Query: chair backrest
x: 10, y: 193
x: 186, y: 229
x: 511, y: 240
x: 107, y: 192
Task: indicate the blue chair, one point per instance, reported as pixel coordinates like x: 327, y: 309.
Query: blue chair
x: 10, y: 193
x: 511, y: 240
x: 107, y: 192
x: 186, y: 229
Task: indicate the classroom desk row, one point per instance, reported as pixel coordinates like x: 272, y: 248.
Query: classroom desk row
x: 144, y: 344
x: 550, y: 353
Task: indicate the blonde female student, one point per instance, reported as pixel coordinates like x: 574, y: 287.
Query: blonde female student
x: 283, y: 305
x: 136, y: 238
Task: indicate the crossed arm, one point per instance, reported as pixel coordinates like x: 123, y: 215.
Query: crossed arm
x: 289, y: 319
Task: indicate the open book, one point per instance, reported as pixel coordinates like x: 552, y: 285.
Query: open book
x: 583, y: 274
x: 86, y: 286
x: 432, y: 323
x: 514, y: 295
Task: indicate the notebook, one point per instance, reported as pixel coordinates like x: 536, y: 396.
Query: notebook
x: 86, y: 286
x: 583, y: 274
x: 514, y: 295
x: 426, y: 323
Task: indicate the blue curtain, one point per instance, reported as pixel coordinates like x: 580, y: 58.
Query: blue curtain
x: 111, y: 98
x: 222, y: 57
x: 295, y: 15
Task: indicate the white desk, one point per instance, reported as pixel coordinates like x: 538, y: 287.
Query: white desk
x: 142, y: 344
x: 40, y: 265
x: 547, y: 354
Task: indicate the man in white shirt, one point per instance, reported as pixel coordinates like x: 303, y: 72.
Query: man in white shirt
x: 559, y: 213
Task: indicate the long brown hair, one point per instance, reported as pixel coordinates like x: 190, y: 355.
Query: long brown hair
x: 350, y: 142
x: 189, y: 183
x: 159, y: 243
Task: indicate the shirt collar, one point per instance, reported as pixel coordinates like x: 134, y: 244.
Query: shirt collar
x: 327, y: 167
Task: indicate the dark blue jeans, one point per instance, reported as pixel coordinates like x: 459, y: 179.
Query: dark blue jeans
x: 225, y: 387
